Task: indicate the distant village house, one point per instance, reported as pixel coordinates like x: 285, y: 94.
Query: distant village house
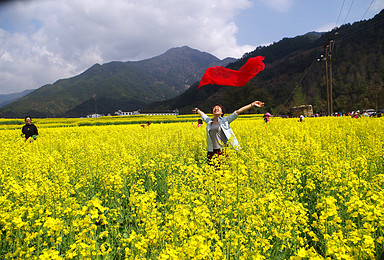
x: 122, y: 113
x: 305, y: 110
x: 171, y: 113
x: 137, y: 112
x: 94, y: 115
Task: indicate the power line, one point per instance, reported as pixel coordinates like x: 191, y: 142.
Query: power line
x: 350, y: 7
x: 347, y: 36
x: 341, y: 9
x: 348, y: 11
x: 352, y: 34
x: 367, y: 9
x: 298, y: 84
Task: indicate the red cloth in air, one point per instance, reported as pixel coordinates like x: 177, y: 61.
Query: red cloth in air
x: 227, y: 77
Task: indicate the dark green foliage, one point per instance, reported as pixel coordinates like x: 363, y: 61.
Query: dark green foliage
x: 293, y: 74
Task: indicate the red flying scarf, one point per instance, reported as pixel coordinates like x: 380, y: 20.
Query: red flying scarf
x: 226, y: 77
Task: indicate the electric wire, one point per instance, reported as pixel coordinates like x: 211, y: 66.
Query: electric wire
x: 349, y: 10
x: 343, y: 38
x: 298, y: 84
x: 367, y: 9
x: 347, y: 36
x: 307, y: 70
x: 341, y: 9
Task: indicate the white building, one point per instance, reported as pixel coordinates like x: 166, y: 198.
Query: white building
x: 122, y: 113
x: 94, y: 116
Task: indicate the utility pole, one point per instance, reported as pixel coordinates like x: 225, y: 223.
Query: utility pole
x: 330, y: 75
x: 328, y: 72
x: 327, y: 79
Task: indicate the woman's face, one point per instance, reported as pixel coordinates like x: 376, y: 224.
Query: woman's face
x: 217, y: 110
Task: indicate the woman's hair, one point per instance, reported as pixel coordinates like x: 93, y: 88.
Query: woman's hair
x: 222, y: 108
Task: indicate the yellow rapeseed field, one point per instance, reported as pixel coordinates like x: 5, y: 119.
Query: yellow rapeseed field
x: 109, y: 189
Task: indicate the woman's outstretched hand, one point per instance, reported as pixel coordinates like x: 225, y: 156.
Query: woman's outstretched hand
x: 257, y: 104
x: 249, y: 106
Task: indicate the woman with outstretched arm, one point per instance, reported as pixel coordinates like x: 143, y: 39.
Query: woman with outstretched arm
x: 218, y: 129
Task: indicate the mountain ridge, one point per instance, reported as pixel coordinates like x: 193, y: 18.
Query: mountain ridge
x: 9, y: 98
x: 295, y: 74
x: 292, y: 76
x: 117, y: 85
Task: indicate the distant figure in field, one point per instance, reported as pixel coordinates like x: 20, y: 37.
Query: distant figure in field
x: 199, y: 123
x: 218, y: 129
x: 356, y: 114
x: 146, y: 124
x: 29, y: 130
x: 301, y: 118
x: 266, y: 117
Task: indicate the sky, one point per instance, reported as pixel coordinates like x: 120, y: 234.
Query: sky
x: 42, y: 41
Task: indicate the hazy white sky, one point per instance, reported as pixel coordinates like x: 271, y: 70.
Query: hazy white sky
x: 42, y: 41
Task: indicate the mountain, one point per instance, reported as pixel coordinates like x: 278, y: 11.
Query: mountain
x: 117, y: 85
x: 9, y: 98
x: 295, y: 74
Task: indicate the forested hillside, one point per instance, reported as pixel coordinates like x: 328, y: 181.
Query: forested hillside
x: 117, y: 85
x: 295, y: 74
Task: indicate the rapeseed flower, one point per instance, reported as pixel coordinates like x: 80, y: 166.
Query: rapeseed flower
x: 294, y: 191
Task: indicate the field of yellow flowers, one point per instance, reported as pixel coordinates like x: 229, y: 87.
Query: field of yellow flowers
x: 110, y: 189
